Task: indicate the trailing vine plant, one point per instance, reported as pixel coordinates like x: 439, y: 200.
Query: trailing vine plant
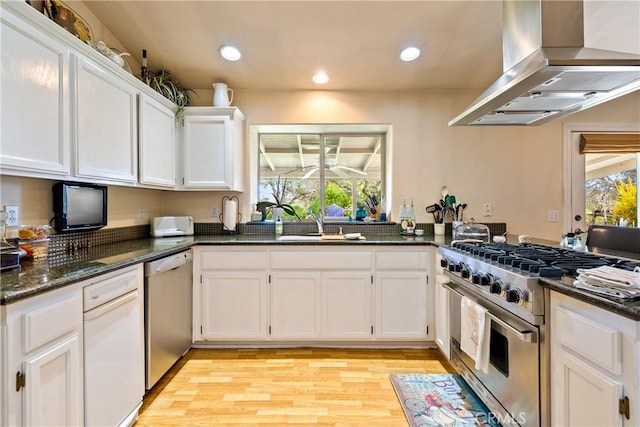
x: 166, y: 85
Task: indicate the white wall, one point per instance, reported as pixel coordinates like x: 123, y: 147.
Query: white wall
x: 34, y: 198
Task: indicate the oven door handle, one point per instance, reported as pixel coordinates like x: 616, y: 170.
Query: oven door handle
x: 452, y: 289
x: 526, y: 335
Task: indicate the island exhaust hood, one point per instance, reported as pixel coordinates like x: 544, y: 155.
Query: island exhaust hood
x: 548, y: 72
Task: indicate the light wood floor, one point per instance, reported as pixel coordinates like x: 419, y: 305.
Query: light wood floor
x: 274, y: 387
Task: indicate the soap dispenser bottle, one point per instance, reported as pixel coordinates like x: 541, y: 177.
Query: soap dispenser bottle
x: 279, y: 226
x: 411, y: 219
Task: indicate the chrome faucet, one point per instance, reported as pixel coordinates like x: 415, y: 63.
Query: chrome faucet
x: 319, y: 221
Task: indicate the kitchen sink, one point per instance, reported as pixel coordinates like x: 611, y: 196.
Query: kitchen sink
x: 316, y: 238
x: 299, y: 238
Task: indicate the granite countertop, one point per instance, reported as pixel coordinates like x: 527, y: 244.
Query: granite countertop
x: 625, y: 307
x: 40, y: 276
x: 628, y: 307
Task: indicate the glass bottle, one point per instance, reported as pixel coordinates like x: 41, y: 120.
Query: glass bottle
x: 411, y: 219
x: 403, y: 217
x: 144, y: 71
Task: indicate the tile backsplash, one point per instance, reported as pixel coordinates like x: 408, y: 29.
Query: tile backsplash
x: 61, y: 245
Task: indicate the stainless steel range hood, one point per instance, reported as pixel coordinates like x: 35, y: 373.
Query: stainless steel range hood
x: 548, y: 73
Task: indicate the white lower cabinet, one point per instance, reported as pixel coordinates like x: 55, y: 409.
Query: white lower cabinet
x: 53, y: 384
x: 321, y: 294
x: 234, y: 305
x: 310, y: 294
x: 594, y: 365
x: 401, y: 305
x: 321, y: 305
x: 230, y: 294
x: 42, y: 353
x: 346, y: 304
x: 294, y: 305
x: 441, y: 308
x: 401, y: 294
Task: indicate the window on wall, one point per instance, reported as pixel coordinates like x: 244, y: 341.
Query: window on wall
x: 611, y: 189
x: 611, y: 163
x: 328, y: 173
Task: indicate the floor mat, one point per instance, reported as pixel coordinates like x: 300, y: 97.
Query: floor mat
x: 433, y: 400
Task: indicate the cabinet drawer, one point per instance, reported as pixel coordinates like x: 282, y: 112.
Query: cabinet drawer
x: 52, y: 321
x: 579, y: 334
x: 405, y: 260
x: 317, y: 260
x: 240, y: 260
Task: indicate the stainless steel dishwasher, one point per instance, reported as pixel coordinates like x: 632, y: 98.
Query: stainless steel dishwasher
x: 168, y: 289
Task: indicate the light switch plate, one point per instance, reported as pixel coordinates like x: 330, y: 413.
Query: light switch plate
x: 553, y: 216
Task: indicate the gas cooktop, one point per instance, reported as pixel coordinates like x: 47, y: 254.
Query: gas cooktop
x: 541, y: 260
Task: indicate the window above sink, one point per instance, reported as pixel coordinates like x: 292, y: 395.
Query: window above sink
x: 289, y: 161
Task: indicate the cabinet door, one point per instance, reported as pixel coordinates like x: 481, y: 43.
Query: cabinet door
x: 106, y: 124
x: 53, y: 385
x: 234, y: 305
x: 35, y: 112
x: 346, y: 305
x: 157, y: 143
x: 581, y: 394
x: 443, y: 337
x: 401, y: 305
x: 206, y: 151
x: 294, y: 307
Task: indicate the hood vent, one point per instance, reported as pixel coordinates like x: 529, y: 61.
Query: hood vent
x: 548, y: 73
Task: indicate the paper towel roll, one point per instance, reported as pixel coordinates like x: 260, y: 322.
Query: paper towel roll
x: 229, y: 219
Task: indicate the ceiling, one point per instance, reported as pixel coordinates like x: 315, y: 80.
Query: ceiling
x: 283, y: 43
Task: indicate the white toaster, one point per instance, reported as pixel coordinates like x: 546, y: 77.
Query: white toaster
x: 164, y: 226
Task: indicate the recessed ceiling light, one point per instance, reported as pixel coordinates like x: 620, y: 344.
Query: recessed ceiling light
x: 230, y: 53
x: 410, y: 53
x: 320, y: 78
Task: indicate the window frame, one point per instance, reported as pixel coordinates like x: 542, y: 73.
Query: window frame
x: 323, y: 130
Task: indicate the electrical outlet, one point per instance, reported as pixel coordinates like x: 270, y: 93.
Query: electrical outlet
x: 142, y: 213
x: 214, y: 211
x: 13, y: 216
x: 486, y: 209
x: 553, y: 216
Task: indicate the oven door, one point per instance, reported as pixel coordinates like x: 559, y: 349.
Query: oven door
x: 511, y: 388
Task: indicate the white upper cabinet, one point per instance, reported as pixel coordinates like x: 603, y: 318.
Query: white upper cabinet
x: 106, y: 125
x: 35, y: 100
x: 156, y: 139
x: 213, y: 149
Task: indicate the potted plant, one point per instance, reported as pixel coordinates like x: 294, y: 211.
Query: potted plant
x: 278, y: 193
x: 166, y: 85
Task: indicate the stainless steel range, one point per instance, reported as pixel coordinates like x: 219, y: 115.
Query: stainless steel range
x: 503, y: 280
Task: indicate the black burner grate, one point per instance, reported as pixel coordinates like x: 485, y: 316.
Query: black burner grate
x: 545, y: 261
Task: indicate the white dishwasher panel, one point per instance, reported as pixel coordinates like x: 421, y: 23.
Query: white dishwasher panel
x: 114, y: 357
